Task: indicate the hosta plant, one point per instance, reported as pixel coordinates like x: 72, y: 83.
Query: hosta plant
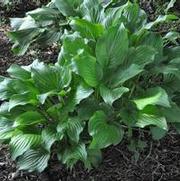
x: 45, y: 26
x: 113, y: 76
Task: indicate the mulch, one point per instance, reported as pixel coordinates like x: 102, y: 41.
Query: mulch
x: 160, y: 160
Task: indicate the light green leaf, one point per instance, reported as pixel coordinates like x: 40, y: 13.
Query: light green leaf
x: 110, y: 95
x: 33, y: 160
x: 153, y: 96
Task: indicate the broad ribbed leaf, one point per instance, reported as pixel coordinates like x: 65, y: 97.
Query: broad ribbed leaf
x: 87, y: 29
x: 92, y: 11
x: 46, y: 78
x: 74, y: 128
x: 22, y: 39
x: 22, y: 99
x: 153, y: 96
x: 110, y: 95
x: 6, y: 88
x: 148, y: 119
x: 87, y: 68
x: 29, y: 118
x: 18, y: 72
x: 143, y: 55
x: 22, y: 143
x: 66, y: 7
x: 103, y: 134
x: 6, y: 128
x: 74, y: 154
x: 112, y: 48
x: 72, y: 44
x: 34, y: 160
x: 83, y: 91
x: 152, y: 41
x: 49, y: 136
x: 124, y: 74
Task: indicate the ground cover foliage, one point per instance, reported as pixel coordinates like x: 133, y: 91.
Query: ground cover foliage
x: 113, y: 76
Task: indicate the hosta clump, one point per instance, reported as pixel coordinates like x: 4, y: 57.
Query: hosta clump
x: 113, y: 75
x: 46, y: 25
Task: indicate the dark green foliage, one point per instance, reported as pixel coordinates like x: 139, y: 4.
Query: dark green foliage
x: 113, y: 75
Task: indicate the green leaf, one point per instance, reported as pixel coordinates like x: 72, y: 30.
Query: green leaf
x: 125, y: 73
x: 103, y: 133
x: 6, y: 88
x: 47, y: 78
x: 67, y: 7
x: 22, y: 39
x: 49, y: 136
x: 151, y: 119
x: 172, y: 114
x: 110, y: 95
x: 22, y: 99
x: 6, y: 128
x: 93, y: 11
x: 74, y: 128
x: 33, y: 160
x: 94, y: 158
x: 158, y: 133
x: 28, y: 118
x: 22, y: 143
x: 153, y: 96
x: 152, y: 41
x: 87, y: 68
x: 143, y: 55
x: 83, y: 91
x: 87, y: 29
x: 72, y: 44
x: 18, y: 72
x: 74, y: 154
x: 108, y: 46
